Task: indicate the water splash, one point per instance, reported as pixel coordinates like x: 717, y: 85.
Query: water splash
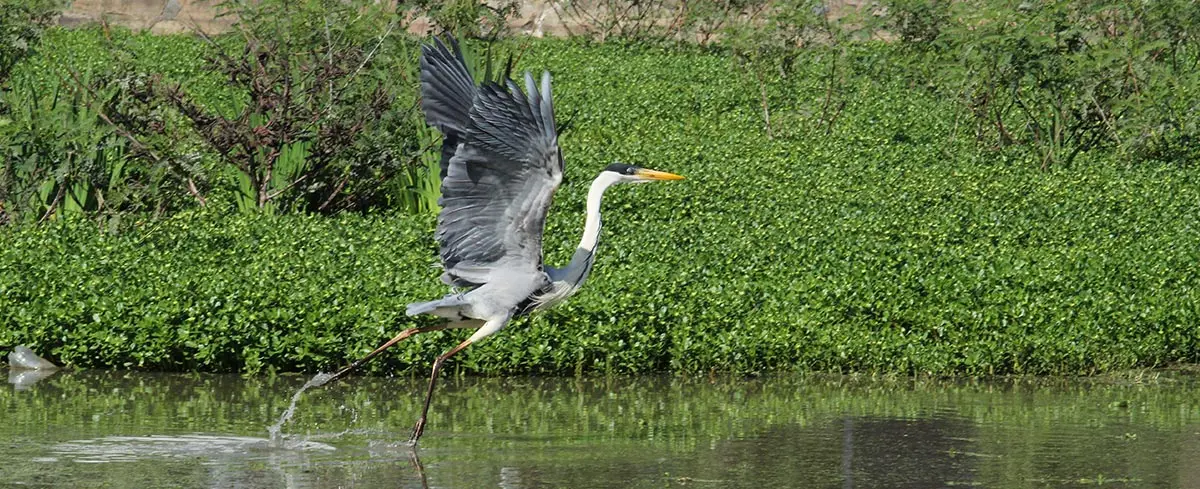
x: 276, y: 430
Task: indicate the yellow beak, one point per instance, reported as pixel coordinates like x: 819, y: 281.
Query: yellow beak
x: 657, y: 175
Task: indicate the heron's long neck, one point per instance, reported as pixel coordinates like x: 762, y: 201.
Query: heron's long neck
x: 591, y: 227
x: 585, y: 254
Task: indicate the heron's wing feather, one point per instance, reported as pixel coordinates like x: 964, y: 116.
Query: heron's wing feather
x: 447, y: 91
x: 499, y: 185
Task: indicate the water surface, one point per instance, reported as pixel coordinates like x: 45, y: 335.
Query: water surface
x: 137, y: 430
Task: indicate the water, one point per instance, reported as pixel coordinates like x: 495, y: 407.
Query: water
x: 276, y: 430
x: 105, y: 429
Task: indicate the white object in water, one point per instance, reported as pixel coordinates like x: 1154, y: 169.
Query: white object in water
x: 23, y: 379
x: 23, y: 358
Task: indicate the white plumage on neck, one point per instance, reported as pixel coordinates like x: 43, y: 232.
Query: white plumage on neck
x: 591, y: 227
x: 567, y: 280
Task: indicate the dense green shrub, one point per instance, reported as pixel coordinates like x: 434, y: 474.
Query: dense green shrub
x: 883, y: 245
x: 60, y: 151
x: 58, y: 158
x: 203, y: 292
x: 122, y: 126
x: 22, y: 23
x: 308, y: 106
x: 326, y: 116
x: 1062, y: 78
x: 1055, y: 79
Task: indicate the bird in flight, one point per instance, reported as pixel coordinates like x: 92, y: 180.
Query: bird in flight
x: 500, y: 166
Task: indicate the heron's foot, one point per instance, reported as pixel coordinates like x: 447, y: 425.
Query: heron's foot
x: 418, y: 429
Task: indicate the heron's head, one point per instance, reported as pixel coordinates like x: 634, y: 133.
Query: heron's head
x: 626, y: 173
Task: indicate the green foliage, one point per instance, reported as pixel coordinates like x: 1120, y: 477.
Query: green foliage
x: 1054, y: 79
x: 1063, y: 78
x: 57, y: 159
x: 22, y: 23
x: 311, y: 107
x: 66, y: 106
x: 881, y: 246
x: 1000, y: 189
x: 202, y: 291
x: 315, y: 75
x: 916, y: 23
x: 767, y: 42
x: 417, y: 188
x: 466, y: 18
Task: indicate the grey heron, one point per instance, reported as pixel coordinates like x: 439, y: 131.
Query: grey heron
x: 500, y: 166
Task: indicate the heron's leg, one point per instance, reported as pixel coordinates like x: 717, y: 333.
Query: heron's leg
x: 488, y: 328
x: 400, y: 337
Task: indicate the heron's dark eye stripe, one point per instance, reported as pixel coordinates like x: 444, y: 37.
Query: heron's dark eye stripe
x: 622, y: 169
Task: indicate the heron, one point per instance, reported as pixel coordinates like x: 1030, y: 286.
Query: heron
x: 500, y: 166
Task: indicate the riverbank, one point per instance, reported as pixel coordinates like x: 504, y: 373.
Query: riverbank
x: 882, y: 242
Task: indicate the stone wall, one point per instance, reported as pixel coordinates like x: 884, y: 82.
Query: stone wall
x: 538, y: 17
x: 160, y: 16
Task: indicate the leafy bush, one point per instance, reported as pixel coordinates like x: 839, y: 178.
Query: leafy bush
x: 202, y: 291
x: 881, y: 246
x: 61, y: 149
x: 1063, y: 78
x: 318, y: 77
x: 163, y: 133
x: 468, y: 18
x: 311, y: 106
x: 59, y: 159
x: 22, y: 23
x: 1055, y: 79
x: 73, y: 102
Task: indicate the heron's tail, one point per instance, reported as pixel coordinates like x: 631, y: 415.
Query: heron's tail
x: 449, y: 307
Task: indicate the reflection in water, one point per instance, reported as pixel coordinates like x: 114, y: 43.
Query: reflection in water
x: 22, y: 379
x: 416, y: 464
x: 857, y: 452
x: 848, y: 453
x: 146, y: 430
x: 136, y: 448
x: 908, y: 453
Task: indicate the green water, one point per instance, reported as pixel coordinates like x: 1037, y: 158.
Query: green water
x: 137, y: 430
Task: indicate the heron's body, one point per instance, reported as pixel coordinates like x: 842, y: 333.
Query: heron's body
x: 500, y: 167
x: 540, y: 291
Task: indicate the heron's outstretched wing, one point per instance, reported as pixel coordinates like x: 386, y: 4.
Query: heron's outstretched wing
x: 447, y: 91
x: 499, y: 185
